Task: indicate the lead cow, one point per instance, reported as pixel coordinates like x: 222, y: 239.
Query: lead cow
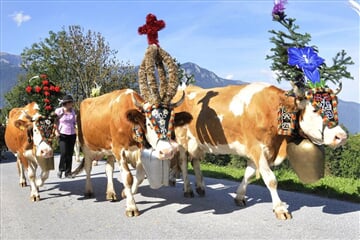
x: 29, y: 135
x: 110, y: 125
x: 121, y: 123
x: 243, y: 120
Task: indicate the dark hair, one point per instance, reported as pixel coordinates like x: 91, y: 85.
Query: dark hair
x: 67, y: 99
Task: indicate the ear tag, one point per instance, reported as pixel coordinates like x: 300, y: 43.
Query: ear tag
x: 22, y: 128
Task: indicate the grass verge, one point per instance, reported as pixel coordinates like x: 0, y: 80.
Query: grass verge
x: 332, y: 187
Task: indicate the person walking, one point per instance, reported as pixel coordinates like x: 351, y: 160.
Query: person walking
x: 67, y: 135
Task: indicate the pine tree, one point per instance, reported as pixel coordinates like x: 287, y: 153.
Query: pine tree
x: 291, y: 38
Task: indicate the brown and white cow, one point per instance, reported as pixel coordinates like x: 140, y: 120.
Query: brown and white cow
x: 29, y: 135
x: 107, y: 126
x: 243, y: 120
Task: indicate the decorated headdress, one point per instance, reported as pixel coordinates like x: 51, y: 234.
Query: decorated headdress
x: 45, y: 93
x: 157, y: 57
x: 297, y: 62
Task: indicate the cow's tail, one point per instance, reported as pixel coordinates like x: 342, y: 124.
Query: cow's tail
x: 80, y: 135
x: 80, y: 168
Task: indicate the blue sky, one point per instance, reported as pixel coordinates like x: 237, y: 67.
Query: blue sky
x: 229, y: 38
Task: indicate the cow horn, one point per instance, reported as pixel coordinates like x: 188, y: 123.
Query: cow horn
x: 338, y: 90
x: 299, y: 93
x: 178, y: 103
x: 136, y: 102
x: 27, y: 116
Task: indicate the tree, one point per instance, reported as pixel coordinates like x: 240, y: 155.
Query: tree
x: 345, y: 160
x: 76, y: 61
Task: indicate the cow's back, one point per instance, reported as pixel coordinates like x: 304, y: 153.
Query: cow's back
x: 103, y: 120
x: 16, y: 138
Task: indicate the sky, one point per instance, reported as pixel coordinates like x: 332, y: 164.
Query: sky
x: 229, y: 38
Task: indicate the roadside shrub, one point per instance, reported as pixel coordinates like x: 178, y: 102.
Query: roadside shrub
x: 220, y: 160
x: 345, y: 161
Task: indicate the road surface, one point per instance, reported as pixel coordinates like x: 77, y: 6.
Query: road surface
x: 63, y: 213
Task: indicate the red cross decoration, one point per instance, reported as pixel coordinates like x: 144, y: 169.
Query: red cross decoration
x: 151, y: 29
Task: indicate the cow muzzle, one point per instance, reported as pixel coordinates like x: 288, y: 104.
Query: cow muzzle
x: 166, y: 149
x: 44, y: 150
x: 339, y: 140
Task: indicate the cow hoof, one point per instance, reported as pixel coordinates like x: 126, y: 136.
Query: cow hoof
x: 111, y: 197
x: 200, y: 191
x: 89, y: 195
x: 189, y: 194
x: 240, y: 202
x: 132, y: 213
x: 23, y: 184
x: 283, y: 215
x: 35, y: 198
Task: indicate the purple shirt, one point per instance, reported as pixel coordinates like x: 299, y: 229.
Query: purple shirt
x: 67, y: 121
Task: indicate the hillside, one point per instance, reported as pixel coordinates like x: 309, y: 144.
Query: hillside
x: 9, y: 71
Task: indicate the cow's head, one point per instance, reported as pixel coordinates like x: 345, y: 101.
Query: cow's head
x: 318, y: 118
x: 40, y: 132
x: 158, y: 89
x: 158, y: 122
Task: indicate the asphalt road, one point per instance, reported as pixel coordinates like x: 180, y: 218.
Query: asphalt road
x: 63, y: 213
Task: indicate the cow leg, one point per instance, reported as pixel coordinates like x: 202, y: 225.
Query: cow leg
x: 43, y: 176
x: 279, y: 207
x: 188, y: 192
x: 34, y: 193
x: 241, y: 191
x: 127, y: 180
x: 20, y: 167
x: 139, y: 177
x: 199, y: 180
x: 109, y: 168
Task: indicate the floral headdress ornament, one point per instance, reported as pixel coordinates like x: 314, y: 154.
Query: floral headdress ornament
x: 44, y: 93
x: 308, y: 61
x: 278, y: 9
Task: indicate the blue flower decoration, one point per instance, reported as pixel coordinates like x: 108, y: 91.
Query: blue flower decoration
x: 307, y: 60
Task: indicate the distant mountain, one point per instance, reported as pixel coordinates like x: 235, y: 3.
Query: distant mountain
x: 349, y: 112
x: 207, y: 79
x: 349, y: 115
x: 9, y: 71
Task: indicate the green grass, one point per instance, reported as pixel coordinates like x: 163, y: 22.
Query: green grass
x: 329, y: 186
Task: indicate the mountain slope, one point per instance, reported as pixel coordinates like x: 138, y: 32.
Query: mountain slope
x: 9, y: 71
x: 205, y: 78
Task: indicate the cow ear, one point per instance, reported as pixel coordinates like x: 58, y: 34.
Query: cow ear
x: 135, y: 116
x: 20, y: 124
x: 182, y: 118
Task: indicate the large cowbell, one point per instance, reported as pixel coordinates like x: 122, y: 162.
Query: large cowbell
x: 157, y: 171
x: 307, y: 159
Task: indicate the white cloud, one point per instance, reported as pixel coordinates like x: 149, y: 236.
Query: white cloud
x: 20, y: 17
x: 229, y: 76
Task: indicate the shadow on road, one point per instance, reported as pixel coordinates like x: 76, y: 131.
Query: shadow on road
x: 219, y: 197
